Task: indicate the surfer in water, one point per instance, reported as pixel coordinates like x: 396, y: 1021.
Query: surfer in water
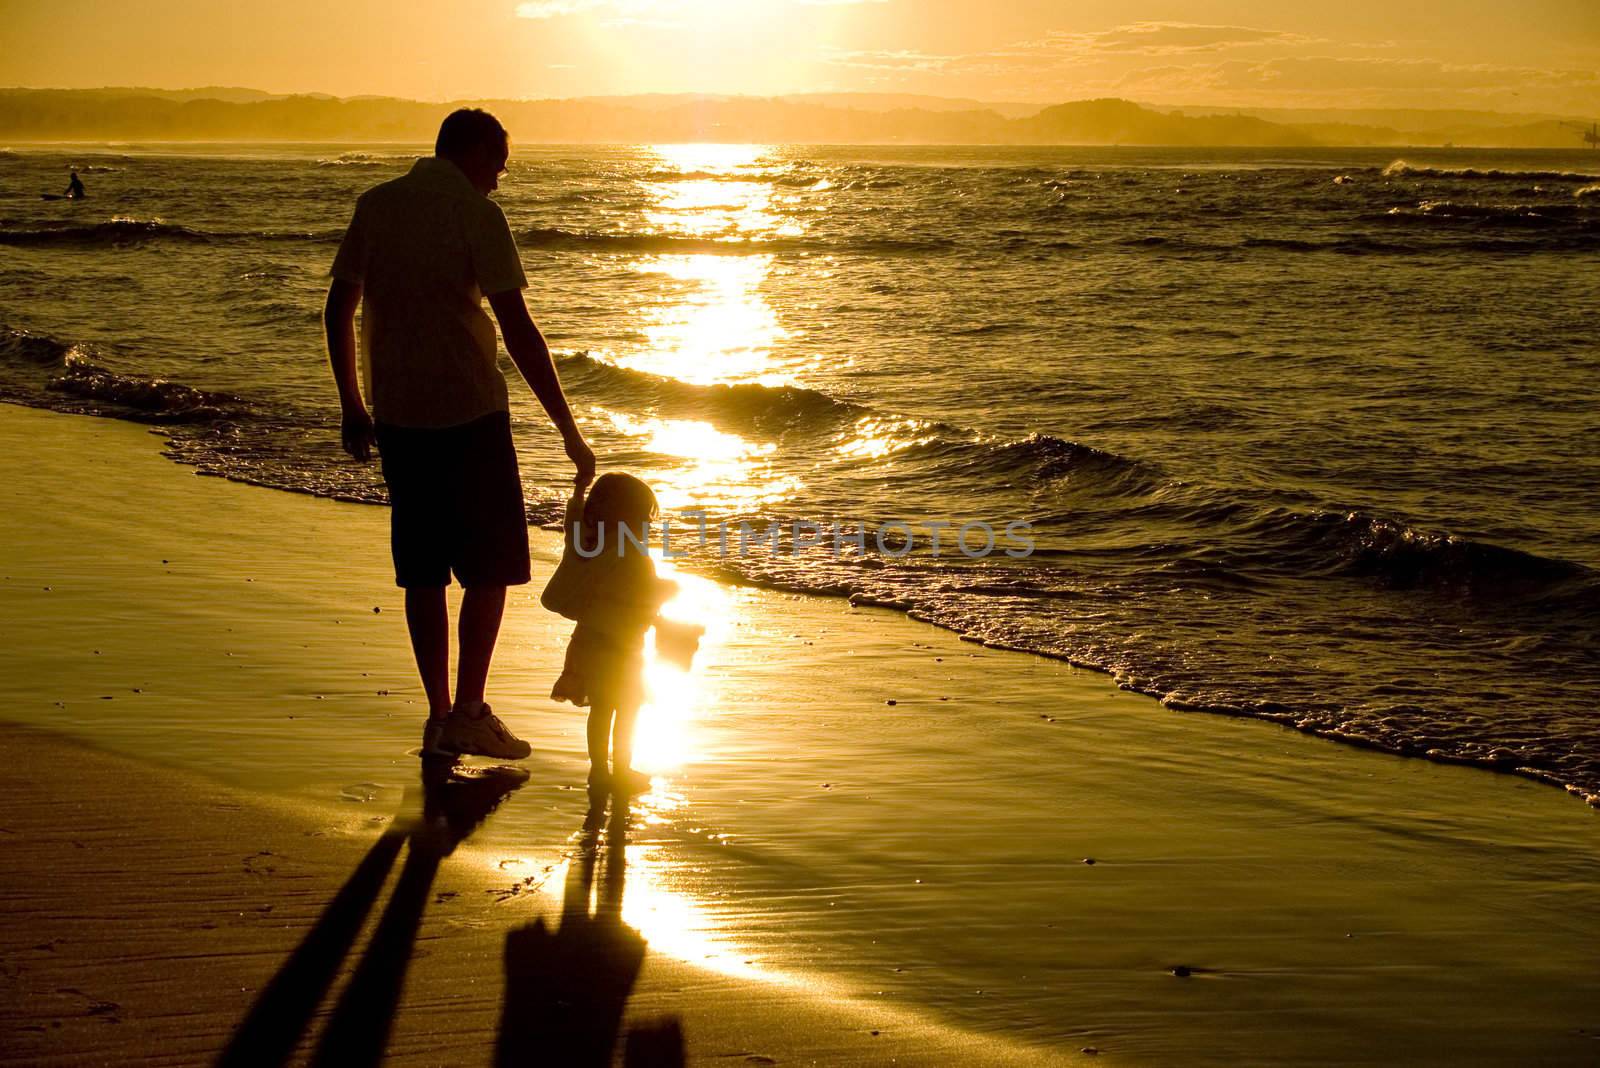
x: 75, y: 188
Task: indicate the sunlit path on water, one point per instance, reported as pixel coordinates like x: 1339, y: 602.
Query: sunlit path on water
x: 714, y: 324
x: 704, y: 466
x: 721, y: 329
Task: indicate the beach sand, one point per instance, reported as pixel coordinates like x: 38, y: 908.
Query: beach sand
x: 869, y: 842
x: 148, y: 913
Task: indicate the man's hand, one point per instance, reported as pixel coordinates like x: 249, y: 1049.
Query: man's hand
x: 356, y: 433
x: 582, y: 457
x: 339, y: 321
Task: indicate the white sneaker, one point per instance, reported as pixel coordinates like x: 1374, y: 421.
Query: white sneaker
x: 482, y: 734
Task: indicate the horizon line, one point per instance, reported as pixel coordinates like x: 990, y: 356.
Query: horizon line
x: 313, y: 94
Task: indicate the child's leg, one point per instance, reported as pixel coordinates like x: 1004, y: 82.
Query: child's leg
x: 625, y: 782
x: 600, y: 718
x: 622, y: 736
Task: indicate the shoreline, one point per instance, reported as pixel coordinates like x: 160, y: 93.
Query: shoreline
x: 1289, y: 720
x: 863, y: 805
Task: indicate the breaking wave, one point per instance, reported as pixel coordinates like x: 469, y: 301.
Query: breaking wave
x: 1401, y: 169
x: 124, y: 231
x: 557, y: 239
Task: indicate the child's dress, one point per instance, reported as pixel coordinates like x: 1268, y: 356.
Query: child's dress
x: 614, y: 597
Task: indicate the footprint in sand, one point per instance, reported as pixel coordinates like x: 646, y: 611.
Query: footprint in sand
x: 106, y: 1010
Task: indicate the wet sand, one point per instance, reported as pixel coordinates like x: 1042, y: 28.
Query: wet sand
x: 860, y: 823
x: 149, y: 912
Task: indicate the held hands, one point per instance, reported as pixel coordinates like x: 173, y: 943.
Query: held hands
x: 356, y: 433
x: 582, y: 457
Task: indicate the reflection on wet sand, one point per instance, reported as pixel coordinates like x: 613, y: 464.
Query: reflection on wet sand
x: 671, y: 732
x: 567, y: 981
x: 675, y: 731
x: 568, y: 984
x: 672, y: 918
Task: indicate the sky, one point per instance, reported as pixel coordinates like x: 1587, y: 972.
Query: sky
x: 1530, y: 56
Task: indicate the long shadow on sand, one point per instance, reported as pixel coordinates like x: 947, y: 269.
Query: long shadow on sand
x: 566, y: 987
x: 454, y: 805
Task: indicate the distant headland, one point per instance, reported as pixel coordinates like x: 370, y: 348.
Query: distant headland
x: 233, y: 114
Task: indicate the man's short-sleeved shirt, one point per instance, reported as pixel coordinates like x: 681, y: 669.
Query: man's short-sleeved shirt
x: 425, y: 248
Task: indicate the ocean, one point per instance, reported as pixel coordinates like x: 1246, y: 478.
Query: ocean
x: 1305, y: 435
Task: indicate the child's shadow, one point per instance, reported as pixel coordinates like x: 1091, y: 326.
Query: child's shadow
x: 566, y: 988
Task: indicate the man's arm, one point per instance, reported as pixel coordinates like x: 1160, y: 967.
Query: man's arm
x: 532, y: 357
x: 339, y: 322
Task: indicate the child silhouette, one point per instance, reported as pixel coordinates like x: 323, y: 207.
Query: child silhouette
x: 607, y: 583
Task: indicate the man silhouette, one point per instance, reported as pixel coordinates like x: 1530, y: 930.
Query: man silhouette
x: 421, y: 253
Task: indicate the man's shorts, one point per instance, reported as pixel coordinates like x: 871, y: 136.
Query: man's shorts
x: 455, y: 501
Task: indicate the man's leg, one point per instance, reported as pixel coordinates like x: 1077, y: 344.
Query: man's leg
x: 481, y: 610
x: 429, y: 623
x: 473, y: 728
x: 489, y: 552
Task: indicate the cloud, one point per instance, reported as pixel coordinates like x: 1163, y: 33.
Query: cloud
x: 904, y: 59
x: 1168, y: 38
x: 1062, y: 50
x: 625, y: 12
x: 1334, y: 74
x: 1233, y: 64
x: 551, y: 9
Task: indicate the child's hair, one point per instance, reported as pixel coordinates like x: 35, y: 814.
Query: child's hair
x: 617, y: 497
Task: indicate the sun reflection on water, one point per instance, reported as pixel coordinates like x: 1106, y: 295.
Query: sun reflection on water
x: 715, y: 191
x: 704, y: 318
x: 717, y: 327
x: 713, y: 468
x: 718, y: 208
x: 874, y: 437
x: 710, y: 157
